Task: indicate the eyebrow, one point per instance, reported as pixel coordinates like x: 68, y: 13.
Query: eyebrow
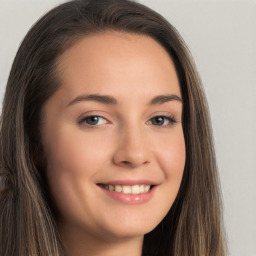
x: 109, y: 100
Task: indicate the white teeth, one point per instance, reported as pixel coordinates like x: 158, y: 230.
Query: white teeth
x: 118, y: 188
x: 111, y: 187
x: 147, y: 188
x: 142, y: 188
x: 136, y: 189
x: 126, y: 189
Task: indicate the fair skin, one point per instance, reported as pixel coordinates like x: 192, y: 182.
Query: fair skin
x: 128, y: 141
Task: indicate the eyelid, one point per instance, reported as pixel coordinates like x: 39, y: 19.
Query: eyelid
x: 170, y: 117
x: 100, y: 113
x: 82, y: 120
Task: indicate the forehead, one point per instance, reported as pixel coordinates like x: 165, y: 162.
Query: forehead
x: 115, y: 62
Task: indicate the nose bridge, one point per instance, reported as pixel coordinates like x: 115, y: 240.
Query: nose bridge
x: 132, y: 149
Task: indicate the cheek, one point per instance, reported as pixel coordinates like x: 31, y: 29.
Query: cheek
x: 171, y: 155
x: 73, y: 151
x: 73, y: 161
x: 172, y: 162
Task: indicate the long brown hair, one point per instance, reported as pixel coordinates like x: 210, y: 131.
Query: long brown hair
x: 192, y: 227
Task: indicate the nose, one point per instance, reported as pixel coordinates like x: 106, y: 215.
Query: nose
x: 133, y: 149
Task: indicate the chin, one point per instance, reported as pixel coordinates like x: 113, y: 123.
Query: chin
x: 131, y: 228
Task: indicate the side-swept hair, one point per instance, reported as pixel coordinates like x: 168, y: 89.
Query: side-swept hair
x: 192, y: 227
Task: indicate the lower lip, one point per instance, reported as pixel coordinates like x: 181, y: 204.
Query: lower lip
x: 130, y: 198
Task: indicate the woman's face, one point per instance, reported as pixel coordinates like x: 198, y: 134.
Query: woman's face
x: 112, y: 131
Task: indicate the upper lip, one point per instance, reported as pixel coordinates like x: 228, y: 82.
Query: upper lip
x: 129, y: 182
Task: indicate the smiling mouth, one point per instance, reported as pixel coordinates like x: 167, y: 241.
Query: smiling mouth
x: 126, y: 189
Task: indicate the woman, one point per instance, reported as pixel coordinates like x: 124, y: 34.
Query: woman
x: 106, y: 144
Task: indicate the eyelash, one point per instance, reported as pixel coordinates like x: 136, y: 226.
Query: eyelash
x: 170, y: 119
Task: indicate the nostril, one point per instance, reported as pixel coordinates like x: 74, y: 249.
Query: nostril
x: 127, y: 163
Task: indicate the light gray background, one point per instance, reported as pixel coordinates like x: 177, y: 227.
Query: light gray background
x: 222, y: 38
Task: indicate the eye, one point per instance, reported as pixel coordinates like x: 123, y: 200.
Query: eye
x: 163, y: 120
x: 93, y: 120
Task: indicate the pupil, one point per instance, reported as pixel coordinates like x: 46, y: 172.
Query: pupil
x: 92, y: 119
x: 159, y: 120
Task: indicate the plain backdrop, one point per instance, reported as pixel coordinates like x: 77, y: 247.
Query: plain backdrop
x: 222, y: 38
